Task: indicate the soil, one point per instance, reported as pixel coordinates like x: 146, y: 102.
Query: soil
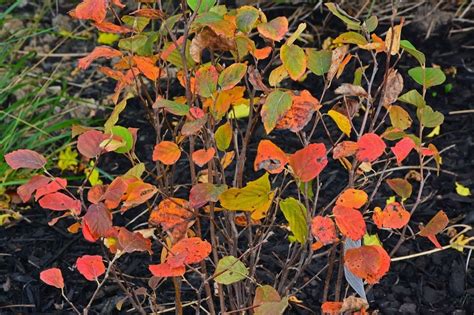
x: 442, y: 283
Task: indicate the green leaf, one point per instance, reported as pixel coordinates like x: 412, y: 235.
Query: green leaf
x: 136, y: 22
x: 401, y: 187
x: 223, y: 136
x: 351, y: 22
x: 302, y: 188
x: 276, y: 105
x: 126, y: 136
x: 371, y: 240
x: 409, y: 48
x: 107, y: 38
x: 428, y: 117
x: 319, y: 61
x: 371, y: 23
x: 414, y: 98
x: 203, y: 5
x: 134, y: 43
x: 246, y: 18
x: 294, y: 60
x: 137, y: 170
x: 295, y: 213
x: 230, y: 270
x: 232, y: 75
x: 350, y: 38
x: 427, y: 77
x: 172, y: 107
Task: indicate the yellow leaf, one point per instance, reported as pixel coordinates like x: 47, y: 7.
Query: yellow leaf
x: 462, y: 190
x: 341, y: 121
x: 68, y: 159
x: 239, y: 111
x: 460, y: 242
x: 93, y: 174
x: 107, y: 38
x: 434, y: 132
x: 390, y: 200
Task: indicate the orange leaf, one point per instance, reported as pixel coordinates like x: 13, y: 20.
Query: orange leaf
x: 108, y: 27
x: 206, y: 81
x: 352, y: 198
x: 262, y: 53
x: 188, y: 251
x: 393, y: 216
x: 25, y: 159
x: 437, y: 224
x: 308, y: 162
x: 302, y: 108
x: 52, y: 277
x: 350, y: 222
x: 137, y: 193
x: 166, y: 270
x: 173, y: 216
x: 91, y: 267
x: 98, y: 52
x: 371, y: 147
x: 90, y: 10
x: 323, y: 230
x: 275, y: 29
x: 114, y: 193
x: 270, y: 157
x: 368, y: 262
x: 345, y: 149
x: 403, y: 148
x: 331, y: 307
x: 203, y: 156
x: 149, y: 13
x: 147, y: 67
x: 166, y: 152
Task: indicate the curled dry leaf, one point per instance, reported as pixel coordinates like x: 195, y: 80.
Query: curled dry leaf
x: 393, y: 216
x: 303, y: 106
x: 173, y: 216
x: 350, y: 222
x: 166, y: 152
x: 352, y: 198
x: 348, y: 89
x: 270, y: 157
x: 90, y: 266
x: 53, y: 277
x: 203, y: 156
x: 308, y: 162
x: 98, y: 52
x: 345, y: 149
x: 368, y: 262
x: 402, y: 148
x: 25, y: 159
x: 208, y: 39
x: 437, y: 224
x: 371, y: 147
x: 324, y: 230
x: 337, y: 58
x: 394, y: 86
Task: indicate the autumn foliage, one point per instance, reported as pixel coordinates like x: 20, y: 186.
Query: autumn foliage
x: 237, y: 71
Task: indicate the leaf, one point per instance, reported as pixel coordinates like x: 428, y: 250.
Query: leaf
x: 98, y: 220
x: 277, y: 75
x: 246, y: 18
x: 134, y: 44
x: 223, y: 136
x: 52, y: 277
x: 294, y: 60
x: 295, y: 213
x: 203, y: 156
x: 267, y: 301
x: 275, y: 107
x: 206, y: 81
x: 232, y: 75
x: 125, y: 135
x: 129, y: 242
x: 59, y: 202
x: 402, y: 148
x: 462, y: 190
x: 166, y: 270
x: 437, y: 224
x: 91, y: 267
x: 337, y: 58
x: 371, y: 23
x: 137, y: 193
x: 392, y: 39
x: 140, y: 21
x: 414, y: 98
x: 51, y: 187
x: 409, y: 48
x: 208, y: 39
x: 300, y: 113
x: 308, y: 162
x: 201, y: 5
x: 427, y: 77
x: 345, y: 149
x: 319, y: 61
x: 399, y: 117
x: 147, y: 67
x: 342, y: 122
x: 173, y: 107
x: 173, y: 215
x: 372, y: 240
x: 270, y: 157
x: 230, y: 270
x: 393, y: 216
x: 348, y: 89
x: 111, y: 28
x: 114, y: 192
x: 350, y: 222
x: 331, y: 307
x: 67, y: 159
x: 394, y: 86
x: 188, y: 251
x: 371, y: 147
x: 324, y: 230
x: 256, y: 196
x: 25, y: 159
x: 275, y: 29
x: 98, y: 52
x: 368, y: 262
x: 354, y: 281
x: 26, y: 190
x: 88, y: 143
x: 350, y: 22
x: 166, y: 152
x: 296, y: 34
x: 352, y: 198
x: 401, y: 187
x: 203, y: 193
x: 350, y: 38
x: 90, y: 10
x: 428, y: 117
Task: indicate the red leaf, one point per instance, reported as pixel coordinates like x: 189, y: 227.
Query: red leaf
x: 59, y: 202
x: 95, y: 194
x: 308, y: 162
x: 165, y: 270
x: 331, y: 307
x: 202, y: 193
x: 393, y: 216
x: 89, y: 142
x: 344, y: 149
x: 108, y: 27
x: 130, y: 242
x: 371, y: 147
x: 437, y: 224
x: 114, y: 193
x: 403, y: 148
x: 323, y: 230
x: 368, y: 262
x: 352, y: 198
x: 26, y: 190
x: 350, y: 222
x: 188, y: 251
x: 98, y: 52
x: 90, y: 10
x: 270, y: 157
x: 25, y: 159
x: 52, y: 277
x: 203, y: 156
x: 51, y: 187
x: 166, y: 152
x: 91, y: 267
x: 98, y: 220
